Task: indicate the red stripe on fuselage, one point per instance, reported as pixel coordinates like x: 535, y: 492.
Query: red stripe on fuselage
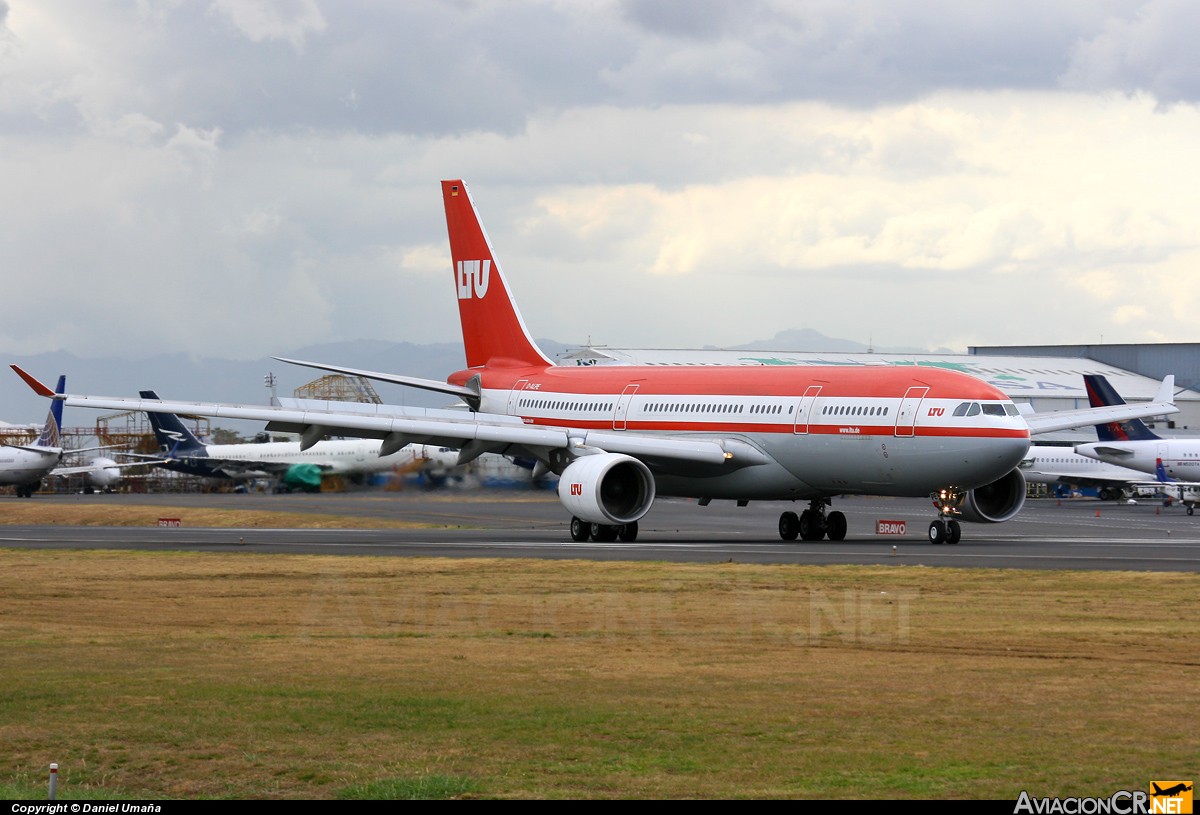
x: 742, y: 428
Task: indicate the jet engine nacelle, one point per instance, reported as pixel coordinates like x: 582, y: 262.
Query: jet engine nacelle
x: 606, y: 488
x: 999, y: 501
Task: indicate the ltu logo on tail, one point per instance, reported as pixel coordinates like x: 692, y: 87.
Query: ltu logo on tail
x: 1170, y: 797
x: 473, y: 278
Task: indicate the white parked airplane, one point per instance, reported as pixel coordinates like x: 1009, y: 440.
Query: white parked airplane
x: 619, y: 436
x: 24, y: 466
x: 1047, y: 464
x: 1175, y: 463
x: 1131, y: 444
x: 183, y: 452
x: 101, y: 473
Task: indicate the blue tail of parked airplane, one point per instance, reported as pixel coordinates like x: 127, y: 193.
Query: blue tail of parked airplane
x: 1102, y: 394
x: 51, y: 435
x: 172, y: 436
x: 1160, y: 473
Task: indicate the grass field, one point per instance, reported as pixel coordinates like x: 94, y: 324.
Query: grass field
x: 152, y: 675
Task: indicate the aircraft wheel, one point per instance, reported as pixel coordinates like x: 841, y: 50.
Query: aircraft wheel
x: 953, y: 532
x: 937, y: 532
x: 604, y: 533
x: 580, y: 530
x: 789, y: 526
x: 1105, y: 494
x: 836, y: 525
x: 1190, y: 510
x: 628, y: 532
x: 811, y: 528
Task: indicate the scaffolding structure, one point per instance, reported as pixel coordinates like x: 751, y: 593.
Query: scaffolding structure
x: 340, y: 388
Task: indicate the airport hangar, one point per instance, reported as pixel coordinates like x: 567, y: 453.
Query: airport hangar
x: 1047, y: 377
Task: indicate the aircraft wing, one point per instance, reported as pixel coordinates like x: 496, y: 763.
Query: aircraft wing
x: 1163, y: 405
x: 1096, y: 480
x: 234, y: 467
x: 87, y: 468
x: 472, y: 434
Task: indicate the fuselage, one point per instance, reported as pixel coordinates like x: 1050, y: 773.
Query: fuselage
x: 827, y: 431
x: 104, y: 473
x: 1180, y: 457
x: 1050, y: 465
x: 18, y: 466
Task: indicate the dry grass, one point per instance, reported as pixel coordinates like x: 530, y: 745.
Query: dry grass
x: 251, y: 676
x: 42, y: 514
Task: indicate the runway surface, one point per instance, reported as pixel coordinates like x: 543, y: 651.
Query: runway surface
x: 1048, y: 534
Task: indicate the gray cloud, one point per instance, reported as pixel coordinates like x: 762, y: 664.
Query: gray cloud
x: 266, y: 174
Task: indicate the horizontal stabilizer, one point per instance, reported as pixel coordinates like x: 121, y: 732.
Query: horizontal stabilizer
x: 468, y: 395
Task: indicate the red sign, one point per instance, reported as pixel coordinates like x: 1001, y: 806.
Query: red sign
x: 170, y: 522
x: 890, y: 527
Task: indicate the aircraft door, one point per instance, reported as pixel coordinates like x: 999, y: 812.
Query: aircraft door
x: 804, y: 409
x: 622, y: 410
x: 906, y: 416
x: 514, y: 396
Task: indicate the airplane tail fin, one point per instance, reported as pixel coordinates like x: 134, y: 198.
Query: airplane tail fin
x: 51, y: 435
x: 1101, y: 393
x: 1160, y: 473
x: 492, y: 328
x: 172, y: 435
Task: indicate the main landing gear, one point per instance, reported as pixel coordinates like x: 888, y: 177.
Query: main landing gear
x: 813, y: 523
x: 581, y: 530
x: 946, y: 528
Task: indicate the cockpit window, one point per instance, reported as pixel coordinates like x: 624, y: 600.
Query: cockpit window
x: 974, y: 409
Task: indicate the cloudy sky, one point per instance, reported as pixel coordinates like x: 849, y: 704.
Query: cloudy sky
x: 242, y: 177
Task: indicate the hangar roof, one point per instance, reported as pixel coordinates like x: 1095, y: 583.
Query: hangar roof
x: 1019, y: 377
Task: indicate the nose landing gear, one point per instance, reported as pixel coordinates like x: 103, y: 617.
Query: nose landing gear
x: 946, y: 528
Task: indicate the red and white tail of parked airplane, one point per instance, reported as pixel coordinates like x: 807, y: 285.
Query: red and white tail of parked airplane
x: 619, y: 436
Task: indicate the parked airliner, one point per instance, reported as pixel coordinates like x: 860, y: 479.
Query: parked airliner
x: 101, y: 473
x: 617, y: 437
x: 25, y: 466
x: 183, y: 452
x: 1175, y: 463
x: 1131, y: 444
x: 1047, y: 464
